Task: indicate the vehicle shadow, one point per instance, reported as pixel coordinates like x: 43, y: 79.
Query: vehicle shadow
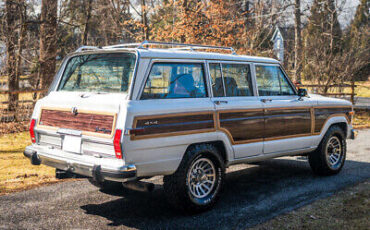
x: 250, y: 196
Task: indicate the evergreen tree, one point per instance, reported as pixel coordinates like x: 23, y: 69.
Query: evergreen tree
x: 358, y: 39
x: 360, y: 26
x: 323, y: 43
x: 362, y: 15
x: 324, y: 26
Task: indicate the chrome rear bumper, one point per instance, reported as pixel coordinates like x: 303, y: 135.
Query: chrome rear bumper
x: 98, y: 168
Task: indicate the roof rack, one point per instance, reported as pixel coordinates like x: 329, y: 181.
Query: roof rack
x: 178, y: 46
x: 124, y: 45
x: 83, y: 48
x: 144, y: 44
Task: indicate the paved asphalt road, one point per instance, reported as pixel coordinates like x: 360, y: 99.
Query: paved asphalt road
x: 253, y: 194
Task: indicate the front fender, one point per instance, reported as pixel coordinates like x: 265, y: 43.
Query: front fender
x: 331, y: 121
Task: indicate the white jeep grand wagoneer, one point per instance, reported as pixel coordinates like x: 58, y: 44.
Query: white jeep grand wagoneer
x: 127, y: 112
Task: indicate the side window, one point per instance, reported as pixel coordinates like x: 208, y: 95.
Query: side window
x: 237, y: 79
x: 175, y: 80
x: 272, y: 82
x: 216, y: 78
x: 286, y: 88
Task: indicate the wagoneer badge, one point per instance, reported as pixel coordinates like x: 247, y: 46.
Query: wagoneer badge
x: 74, y: 111
x: 104, y: 130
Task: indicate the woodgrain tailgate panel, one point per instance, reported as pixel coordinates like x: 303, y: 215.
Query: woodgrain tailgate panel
x: 84, y: 121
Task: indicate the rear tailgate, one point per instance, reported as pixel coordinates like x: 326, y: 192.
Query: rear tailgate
x: 90, y: 117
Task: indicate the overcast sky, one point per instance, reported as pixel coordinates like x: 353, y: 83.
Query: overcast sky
x: 348, y: 13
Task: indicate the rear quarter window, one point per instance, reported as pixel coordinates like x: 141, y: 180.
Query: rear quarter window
x: 175, y: 80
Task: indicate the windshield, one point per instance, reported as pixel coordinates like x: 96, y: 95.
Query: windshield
x: 110, y: 72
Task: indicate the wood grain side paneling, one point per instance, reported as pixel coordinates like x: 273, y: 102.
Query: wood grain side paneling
x: 287, y: 122
x: 322, y: 114
x: 89, y: 122
x: 173, y: 124
x: 242, y: 126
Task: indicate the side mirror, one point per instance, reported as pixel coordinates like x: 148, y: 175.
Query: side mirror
x: 302, y: 93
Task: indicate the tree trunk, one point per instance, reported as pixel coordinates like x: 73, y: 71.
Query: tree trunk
x: 87, y: 21
x: 144, y: 19
x: 297, y: 41
x: 22, y: 35
x: 48, y: 41
x: 11, y: 40
x: 353, y: 90
x: 185, y: 7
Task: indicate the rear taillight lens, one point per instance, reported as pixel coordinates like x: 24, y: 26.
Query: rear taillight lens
x: 117, y: 143
x: 32, y: 130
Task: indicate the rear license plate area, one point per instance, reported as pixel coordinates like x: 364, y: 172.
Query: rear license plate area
x: 71, y: 144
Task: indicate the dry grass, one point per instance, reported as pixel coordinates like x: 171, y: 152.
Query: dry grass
x: 361, y: 120
x: 362, y: 90
x: 348, y: 209
x: 16, y: 171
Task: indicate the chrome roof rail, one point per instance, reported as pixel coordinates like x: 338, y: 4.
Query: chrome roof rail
x: 123, y: 45
x: 180, y: 46
x: 83, y: 48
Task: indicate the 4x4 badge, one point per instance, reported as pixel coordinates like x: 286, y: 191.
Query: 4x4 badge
x: 151, y: 123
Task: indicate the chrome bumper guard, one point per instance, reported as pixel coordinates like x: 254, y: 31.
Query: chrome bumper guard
x: 99, y: 168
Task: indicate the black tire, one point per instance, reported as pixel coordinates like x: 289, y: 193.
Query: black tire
x: 107, y: 185
x: 178, y: 186
x: 319, y: 159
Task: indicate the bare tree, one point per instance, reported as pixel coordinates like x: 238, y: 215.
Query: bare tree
x: 87, y: 22
x: 48, y: 42
x: 297, y: 41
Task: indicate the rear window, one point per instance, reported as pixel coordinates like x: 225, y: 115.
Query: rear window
x: 111, y: 72
x: 175, y: 80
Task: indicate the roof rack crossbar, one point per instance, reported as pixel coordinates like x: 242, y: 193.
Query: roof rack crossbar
x: 182, y: 45
x: 83, y: 48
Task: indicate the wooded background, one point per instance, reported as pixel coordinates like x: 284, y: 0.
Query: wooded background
x: 36, y: 35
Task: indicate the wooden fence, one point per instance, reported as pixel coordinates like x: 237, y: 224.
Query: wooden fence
x: 24, y: 106
x: 314, y: 89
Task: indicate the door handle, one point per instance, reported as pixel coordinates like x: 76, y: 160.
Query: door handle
x: 266, y: 100
x: 220, y: 102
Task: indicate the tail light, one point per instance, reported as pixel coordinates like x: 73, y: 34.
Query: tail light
x: 32, y: 130
x: 117, y: 143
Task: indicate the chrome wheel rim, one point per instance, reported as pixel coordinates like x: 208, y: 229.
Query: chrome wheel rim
x: 334, y: 151
x: 201, y: 178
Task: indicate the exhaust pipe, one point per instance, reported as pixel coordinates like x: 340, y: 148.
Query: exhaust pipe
x: 140, y: 186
